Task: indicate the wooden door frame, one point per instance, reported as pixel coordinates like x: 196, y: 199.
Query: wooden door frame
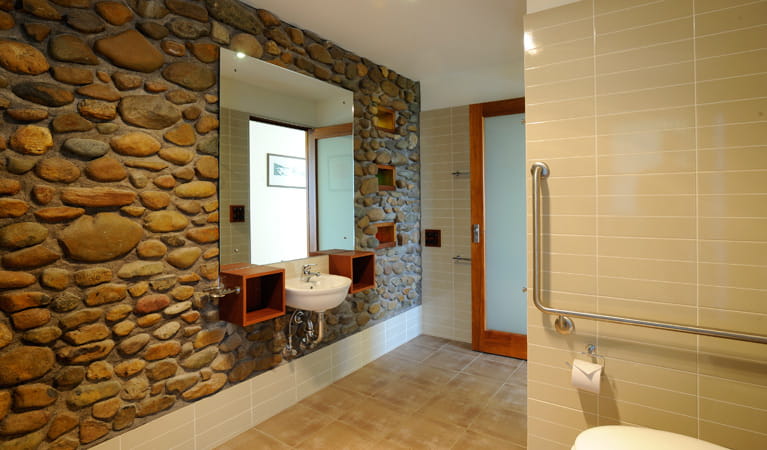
x: 482, y: 339
x: 312, y: 136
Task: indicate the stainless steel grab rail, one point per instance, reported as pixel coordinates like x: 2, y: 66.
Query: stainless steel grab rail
x: 564, y: 324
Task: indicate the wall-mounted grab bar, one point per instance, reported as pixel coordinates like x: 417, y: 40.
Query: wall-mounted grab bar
x: 564, y: 324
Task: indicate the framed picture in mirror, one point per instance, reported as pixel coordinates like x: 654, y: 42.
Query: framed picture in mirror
x: 285, y: 171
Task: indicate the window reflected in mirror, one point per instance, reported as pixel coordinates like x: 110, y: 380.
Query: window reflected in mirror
x: 286, y: 155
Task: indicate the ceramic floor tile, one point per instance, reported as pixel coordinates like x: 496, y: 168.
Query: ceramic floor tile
x: 502, y: 424
x: 429, y: 341
x: 338, y: 436
x: 413, y: 352
x: 472, y: 440
x: 405, y: 395
x: 428, y: 376
x: 366, y: 381
x: 374, y: 416
x: 510, y: 396
x: 294, y: 424
x: 450, y: 359
x: 424, y: 433
x: 429, y: 393
x: 474, y: 387
x: 253, y: 439
x: 497, y: 370
x: 333, y: 401
x: 458, y: 411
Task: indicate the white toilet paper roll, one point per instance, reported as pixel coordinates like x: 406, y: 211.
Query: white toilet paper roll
x: 586, y: 375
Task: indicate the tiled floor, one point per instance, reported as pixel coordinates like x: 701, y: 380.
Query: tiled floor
x: 429, y: 393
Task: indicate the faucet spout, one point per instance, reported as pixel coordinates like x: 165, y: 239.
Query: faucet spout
x: 308, y: 274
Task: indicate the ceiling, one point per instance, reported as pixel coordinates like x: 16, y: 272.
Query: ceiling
x: 461, y: 51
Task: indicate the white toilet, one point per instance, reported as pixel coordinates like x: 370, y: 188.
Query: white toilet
x: 621, y: 437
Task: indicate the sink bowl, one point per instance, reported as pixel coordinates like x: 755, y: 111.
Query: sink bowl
x: 320, y: 294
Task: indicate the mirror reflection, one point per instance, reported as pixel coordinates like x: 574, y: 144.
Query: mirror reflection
x: 286, y: 163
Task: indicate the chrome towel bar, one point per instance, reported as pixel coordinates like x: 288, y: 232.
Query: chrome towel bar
x: 564, y: 324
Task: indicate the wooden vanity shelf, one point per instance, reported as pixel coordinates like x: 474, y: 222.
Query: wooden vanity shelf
x: 387, y: 177
x: 385, y: 119
x: 359, y: 266
x: 386, y: 234
x: 261, y: 297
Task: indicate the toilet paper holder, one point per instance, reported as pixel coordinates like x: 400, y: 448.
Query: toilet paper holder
x: 591, y: 351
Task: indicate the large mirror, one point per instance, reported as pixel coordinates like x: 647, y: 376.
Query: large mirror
x: 286, y: 163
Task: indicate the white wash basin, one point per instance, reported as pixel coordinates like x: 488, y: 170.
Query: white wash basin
x: 321, y: 293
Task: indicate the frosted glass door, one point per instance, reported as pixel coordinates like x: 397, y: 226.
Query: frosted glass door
x: 505, y: 242
x: 335, y: 193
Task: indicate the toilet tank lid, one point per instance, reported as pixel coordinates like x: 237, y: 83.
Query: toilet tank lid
x: 637, y: 438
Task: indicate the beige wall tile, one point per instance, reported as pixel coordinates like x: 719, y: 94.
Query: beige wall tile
x: 650, y: 290
x: 737, y: 135
x: 651, y: 397
x: 564, y: 51
x: 739, y: 361
x: 554, y: 431
x: 643, y: 36
x: 734, y: 229
x: 642, y: 15
x: 751, y: 110
x: 750, y: 253
x: 732, y: 437
x: 646, y: 205
x: 557, y: 72
x: 568, y: 109
x: 569, y: 31
x: 647, y: 227
x: 544, y: 443
x: 751, y: 182
x: 634, y: 122
x: 553, y: 149
x: 680, y: 182
x: 637, y: 58
x: 555, y: 16
x: 728, y: 19
x: 650, y: 269
x: 732, y: 298
x: 661, y: 162
x: 648, y: 184
x: 729, y: 89
x: 731, y: 42
x: 733, y: 65
x: 724, y: 390
x: 572, y: 88
x: 648, y: 417
x: 560, y: 129
x: 656, y: 98
x: 651, y: 375
x: 672, y: 74
x: 647, y: 142
x: 653, y: 311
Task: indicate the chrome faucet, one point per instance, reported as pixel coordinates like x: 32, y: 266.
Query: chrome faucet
x: 308, y: 273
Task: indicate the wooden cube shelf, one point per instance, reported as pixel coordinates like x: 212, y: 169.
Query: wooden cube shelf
x: 261, y: 297
x: 387, y: 177
x: 386, y: 234
x: 385, y: 119
x: 359, y: 266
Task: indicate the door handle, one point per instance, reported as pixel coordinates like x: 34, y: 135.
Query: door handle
x: 475, y: 233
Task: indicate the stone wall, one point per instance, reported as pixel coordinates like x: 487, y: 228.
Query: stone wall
x: 108, y: 208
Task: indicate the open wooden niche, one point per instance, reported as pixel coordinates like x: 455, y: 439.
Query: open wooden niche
x: 387, y: 177
x: 359, y: 266
x: 386, y: 234
x: 385, y: 119
x: 261, y: 297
